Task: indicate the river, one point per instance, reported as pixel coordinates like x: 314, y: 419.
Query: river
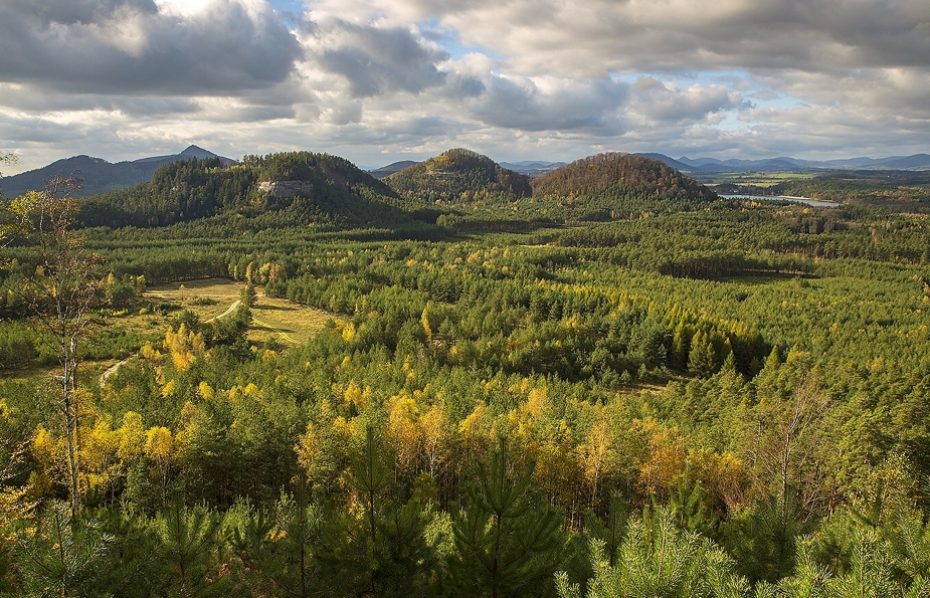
x: 817, y: 203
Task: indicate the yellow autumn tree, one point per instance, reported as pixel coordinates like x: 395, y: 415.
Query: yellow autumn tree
x: 524, y: 420
x: 324, y: 449
x: 436, y: 438
x: 473, y: 431
x: 355, y: 397
x: 557, y: 470
x: 403, y: 430
x: 205, y: 391
x: 596, y: 454
x: 159, y: 448
x: 48, y: 452
x: 193, y: 431
x: 725, y: 476
x: 663, y: 461
x: 14, y: 505
x: 307, y: 448
x: 131, y: 437
x: 184, y: 346
x: 425, y: 322
x: 348, y: 332
x: 99, y: 448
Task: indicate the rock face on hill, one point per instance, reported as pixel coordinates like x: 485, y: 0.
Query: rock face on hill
x: 285, y: 189
x: 459, y: 175
x: 619, y: 174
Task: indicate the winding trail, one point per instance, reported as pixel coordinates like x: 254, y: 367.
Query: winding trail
x: 228, y: 311
x: 280, y: 333
x: 112, y: 369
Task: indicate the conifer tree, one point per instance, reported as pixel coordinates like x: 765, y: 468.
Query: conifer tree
x: 508, y: 543
x: 276, y: 547
x: 185, y: 549
x: 659, y: 559
x: 62, y: 557
x: 702, y: 358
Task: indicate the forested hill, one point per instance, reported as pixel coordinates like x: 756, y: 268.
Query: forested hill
x: 459, y: 175
x: 287, y: 188
x: 620, y: 174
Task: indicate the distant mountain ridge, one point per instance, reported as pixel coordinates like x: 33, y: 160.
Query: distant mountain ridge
x: 782, y: 163
x: 380, y: 173
x: 96, y: 175
x: 100, y: 176
x: 533, y: 167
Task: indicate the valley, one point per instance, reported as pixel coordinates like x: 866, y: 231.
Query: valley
x: 471, y: 299
x: 273, y: 339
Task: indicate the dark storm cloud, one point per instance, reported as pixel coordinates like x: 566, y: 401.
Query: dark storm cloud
x: 132, y: 47
x: 375, y: 60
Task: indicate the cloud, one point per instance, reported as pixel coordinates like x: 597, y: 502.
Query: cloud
x: 375, y: 59
x: 546, y: 104
x: 140, y: 46
x: 660, y: 101
x: 603, y: 36
x: 514, y: 78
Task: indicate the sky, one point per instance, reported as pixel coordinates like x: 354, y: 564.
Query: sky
x: 380, y: 81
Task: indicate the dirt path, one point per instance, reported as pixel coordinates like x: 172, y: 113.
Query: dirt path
x: 228, y: 311
x: 280, y: 333
x: 112, y: 369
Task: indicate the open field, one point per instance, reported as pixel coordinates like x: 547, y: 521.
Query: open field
x: 121, y: 335
x: 759, y: 179
x: 272, y: 317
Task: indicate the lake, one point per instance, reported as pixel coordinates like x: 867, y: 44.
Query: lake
x: 817, y: 203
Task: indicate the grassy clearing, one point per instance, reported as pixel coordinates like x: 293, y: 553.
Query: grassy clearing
x: 207, y: 298
x: 272, y: 317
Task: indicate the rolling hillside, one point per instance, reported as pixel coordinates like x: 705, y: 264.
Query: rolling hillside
x: 288, y: 188
x: 459, y: 175
x: 619, y: 175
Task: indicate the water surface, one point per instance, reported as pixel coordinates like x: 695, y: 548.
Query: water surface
x: 817, y: 203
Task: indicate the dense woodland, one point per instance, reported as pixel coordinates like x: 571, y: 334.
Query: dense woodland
x: 617, y: 386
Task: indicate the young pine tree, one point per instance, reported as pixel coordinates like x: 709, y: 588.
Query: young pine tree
x: 61, y: 557
x: 508, y: 543
x: 186, y: 546
x: 276, y: 548
x: 657, y: 558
